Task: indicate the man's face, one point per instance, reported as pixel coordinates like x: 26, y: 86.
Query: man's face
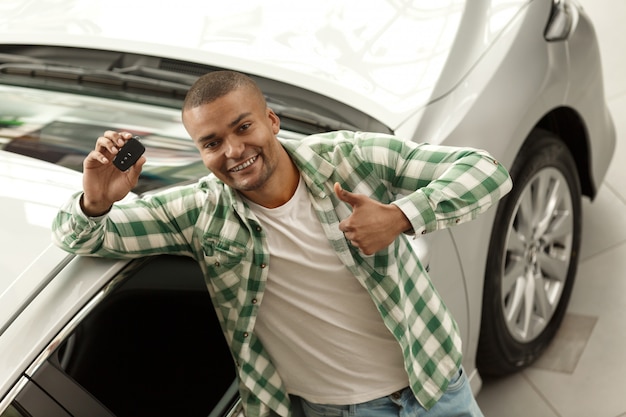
x: 236, y: 138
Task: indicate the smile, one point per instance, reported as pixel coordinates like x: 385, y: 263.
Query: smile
x: 244, y: 165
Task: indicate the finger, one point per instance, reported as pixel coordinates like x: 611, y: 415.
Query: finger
x: 95, y: 159
x: 112, y: 141
x: 123, y: 137
x: 137, y: 166
x: 107, y: 145
x: 134, y: 172
x: 346, y: 196
x: 118, y: 137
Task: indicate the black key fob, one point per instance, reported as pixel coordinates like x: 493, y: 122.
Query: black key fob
x: 129, y: 154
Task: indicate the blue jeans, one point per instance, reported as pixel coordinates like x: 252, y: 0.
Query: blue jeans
x: 457, y: 401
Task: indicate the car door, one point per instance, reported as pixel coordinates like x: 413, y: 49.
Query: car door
x: 150, y: 345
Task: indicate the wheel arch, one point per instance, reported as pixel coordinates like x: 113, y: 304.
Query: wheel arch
x: 568, y: 125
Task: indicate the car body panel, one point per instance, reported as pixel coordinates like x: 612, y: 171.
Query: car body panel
x: 547, y: 83
x: 32, y: 330
x: 590, y: 102
x: 460, y: 117
x: 32, y: 267
x: 31, y: 191
x: 366, y: 55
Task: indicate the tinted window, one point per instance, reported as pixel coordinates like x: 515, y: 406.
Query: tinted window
x: 12, y: 411
x: 153, y: 347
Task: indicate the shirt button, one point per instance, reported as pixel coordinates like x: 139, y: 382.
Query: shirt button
x: 258, y: 228
x: 263, y: 265
x: 245, y: 334
x: 217, y: 263
x: 254, y: 301
x: 424, y: 231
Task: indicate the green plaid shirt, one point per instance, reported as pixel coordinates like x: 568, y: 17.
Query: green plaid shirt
x: 435, y: 187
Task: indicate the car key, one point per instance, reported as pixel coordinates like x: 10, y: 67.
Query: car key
x: 129, y: 154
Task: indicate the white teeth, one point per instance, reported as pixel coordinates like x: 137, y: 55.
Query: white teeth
x: 244, y: 165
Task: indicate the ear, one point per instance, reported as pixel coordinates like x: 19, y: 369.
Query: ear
x: 274, y: 120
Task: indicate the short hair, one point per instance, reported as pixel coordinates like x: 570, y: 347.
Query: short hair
x: 216, y: 84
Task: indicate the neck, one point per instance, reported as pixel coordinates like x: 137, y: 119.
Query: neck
x: 279, y: 189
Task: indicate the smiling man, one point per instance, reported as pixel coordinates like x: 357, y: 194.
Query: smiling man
x: 236, y: 136
x: 325, y: 306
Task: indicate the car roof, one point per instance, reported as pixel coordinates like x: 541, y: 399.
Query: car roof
x: 384, y: 58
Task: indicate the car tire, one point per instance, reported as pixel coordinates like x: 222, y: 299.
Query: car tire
x: 533, y: 257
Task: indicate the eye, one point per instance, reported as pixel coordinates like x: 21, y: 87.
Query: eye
x: 211, y: 144
x: 245, y: 126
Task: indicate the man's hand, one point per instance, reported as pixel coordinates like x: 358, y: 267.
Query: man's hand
x: 103, y: 183
x: 372, y: 226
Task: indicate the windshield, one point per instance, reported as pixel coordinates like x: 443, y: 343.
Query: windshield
x: 158, y: 81
x: 55, y: 101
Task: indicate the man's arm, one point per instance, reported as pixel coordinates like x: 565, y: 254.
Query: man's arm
x: 466, y: 183
x: 160, y: 223
x: 454, y: 185
x: 90, y: 224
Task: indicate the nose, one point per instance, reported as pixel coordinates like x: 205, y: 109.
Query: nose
x: 234, y: 148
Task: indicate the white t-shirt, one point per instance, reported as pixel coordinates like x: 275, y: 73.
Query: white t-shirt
x: 317, y: 322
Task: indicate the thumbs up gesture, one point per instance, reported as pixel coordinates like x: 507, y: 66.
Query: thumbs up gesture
x: 372, y: 226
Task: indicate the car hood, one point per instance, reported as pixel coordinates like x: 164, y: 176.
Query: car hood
x: 387, y: 58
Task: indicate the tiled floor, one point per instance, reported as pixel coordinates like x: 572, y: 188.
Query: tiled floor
x: 585, y: 373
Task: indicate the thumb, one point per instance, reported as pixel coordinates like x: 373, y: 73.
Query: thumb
x: 346, y: 196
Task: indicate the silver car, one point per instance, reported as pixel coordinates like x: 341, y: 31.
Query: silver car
x: 86, y: 336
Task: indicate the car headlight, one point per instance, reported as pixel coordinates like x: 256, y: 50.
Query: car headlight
x: 563, y: 18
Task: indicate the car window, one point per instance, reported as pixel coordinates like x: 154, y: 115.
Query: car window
x: 151, y: 347
x: 12, y: 411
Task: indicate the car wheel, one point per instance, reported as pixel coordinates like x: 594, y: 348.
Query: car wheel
x: 533, y: 257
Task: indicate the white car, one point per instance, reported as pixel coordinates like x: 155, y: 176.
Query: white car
x: 86, y: 336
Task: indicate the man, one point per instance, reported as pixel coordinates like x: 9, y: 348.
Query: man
x: 304, y: 248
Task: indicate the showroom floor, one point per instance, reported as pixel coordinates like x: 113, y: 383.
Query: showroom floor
x: 583, y: 373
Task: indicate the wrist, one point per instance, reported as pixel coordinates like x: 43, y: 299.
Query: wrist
x: 91, y: 209
x: 401, y: 221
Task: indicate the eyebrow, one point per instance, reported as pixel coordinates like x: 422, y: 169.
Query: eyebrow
x: 231, y: 124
